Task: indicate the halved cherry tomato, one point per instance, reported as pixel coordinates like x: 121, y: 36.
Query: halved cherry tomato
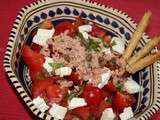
x: 35, y: 47
x: 39, y: 86
x: 120, y: 101
x: 92, y: 95
x: 63, y: 26
x: 33, y: 59
x: 82, y: 112
x: 103, y: 105
x: 97, y: 31
x: 110, y: 87
x: 107, y: 39
x: 55, y: 93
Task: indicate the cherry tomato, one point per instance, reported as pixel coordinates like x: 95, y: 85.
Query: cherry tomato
x: 92, y: 95
x: 55, y: 93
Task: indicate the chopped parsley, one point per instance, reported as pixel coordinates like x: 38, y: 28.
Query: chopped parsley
x: 72, y: 95
x: 119, y: 86
x: 90, y: 44
x: 56, y: 65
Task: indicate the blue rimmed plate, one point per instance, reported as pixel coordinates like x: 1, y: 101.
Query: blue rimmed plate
x: 114, y: 21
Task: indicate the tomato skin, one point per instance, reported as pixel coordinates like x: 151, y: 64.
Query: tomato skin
x: 121, y: 100
x: 35, y: 74
x: 55, y: 93
x: 35, y: 47
x: 33, y: 59
x: 82, y: 112
x: 110, y: 87
x: 107, y: 39
x: 97, y: 31
x: 103, y: 105
x: 92, y: 95
x: 63, y: 26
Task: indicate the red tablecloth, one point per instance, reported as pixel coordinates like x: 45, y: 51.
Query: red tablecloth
x: 11, y: 106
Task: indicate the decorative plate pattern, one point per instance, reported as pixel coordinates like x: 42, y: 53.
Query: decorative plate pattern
x: 114, y: 21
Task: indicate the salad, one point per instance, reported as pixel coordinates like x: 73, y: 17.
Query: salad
x: 76, y: 72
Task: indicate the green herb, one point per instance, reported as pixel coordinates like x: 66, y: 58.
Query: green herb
x: 91, y: 117
x: 119, y: 86
x: 107, y: 46
x: 83, y: 41
x: 56, y: 65
x: 40, y: 77
x: 89, y: 44
x: 72, y: 95
x: 93, y: 45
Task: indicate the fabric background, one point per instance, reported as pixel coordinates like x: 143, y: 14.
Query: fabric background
x: 11, y: 106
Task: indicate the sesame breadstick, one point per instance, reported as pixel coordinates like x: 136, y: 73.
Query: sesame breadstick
x: 144, y: 51
x: 136, y: 36
x: 143, y: 62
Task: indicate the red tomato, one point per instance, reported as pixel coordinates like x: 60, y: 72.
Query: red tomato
x: 107, y: 39
x: 120, y: 101
x: 36, y: 47
x: 55, y: 93
x: 74, y: 77
x: 69, y: 116
x: 110, y: 87
x: 63, y: 26
x: 33, y: 59
x: 103, y: 105
x: 35, y: 74
x: 78, y: 22
x: 82, y: 112
x: 39, y: 86
x: 97, y: 31
x: 92, y: 95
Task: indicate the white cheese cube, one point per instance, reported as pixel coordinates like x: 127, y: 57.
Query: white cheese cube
x: 85, y: 35
x: 76, y: 102
x: 106, y: 50
x: 46, y: 65
x: 63, y: 71
x: 42, y: 36
x: 119, y: 45
x: 40, y: 103
x: 132, y: 86
x: 127, y: 114
x: 104, y: 79
x: 108, y: 114
x: 58, y: 111
x: 85, y: 28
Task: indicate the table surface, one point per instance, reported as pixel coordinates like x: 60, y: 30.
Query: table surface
x: 11, y: 106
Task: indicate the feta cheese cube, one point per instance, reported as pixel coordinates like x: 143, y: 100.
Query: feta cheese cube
x: 58, y: 111
x: 42, y: 36
x: 85, y: 28
x: 63, y: 71
x: 104, y: 79
x: 108, y: 114
x: 119, y: 45
x: 106, y: 50
x: 46, y: 65
x: 85, y: 35
x: 127, y: 114
x: 132, y: 86
x: 40, y: 103
x: 76, y: 102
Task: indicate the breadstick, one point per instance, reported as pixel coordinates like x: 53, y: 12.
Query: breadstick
x: 142, y: 63
x: 137, y: 35
x: 147, y: 48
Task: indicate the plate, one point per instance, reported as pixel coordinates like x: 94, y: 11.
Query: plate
x: 116, y: 22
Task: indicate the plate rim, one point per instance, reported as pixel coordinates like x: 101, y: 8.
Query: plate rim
x: 19, y: 88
